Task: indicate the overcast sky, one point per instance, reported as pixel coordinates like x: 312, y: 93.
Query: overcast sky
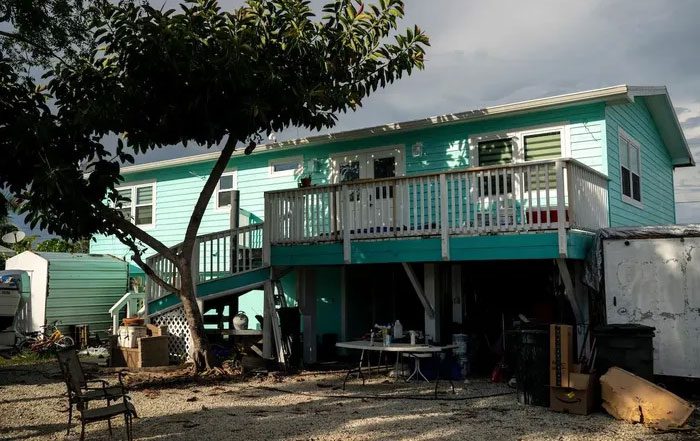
x: 493, y: 52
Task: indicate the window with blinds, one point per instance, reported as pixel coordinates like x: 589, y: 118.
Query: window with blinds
x: 496, y: 152
x: 539, y: 147
x: 542, y: 146
x: 138, y: 204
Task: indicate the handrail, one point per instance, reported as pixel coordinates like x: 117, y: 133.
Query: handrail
x: 215, y: 255
x: 484, y: 168
x: 551, y: 194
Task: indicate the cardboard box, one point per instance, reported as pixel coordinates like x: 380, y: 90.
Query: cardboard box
x: 157, y: 330
x: 561, y: 354
x: 577, y: 398
x: 151, y: 352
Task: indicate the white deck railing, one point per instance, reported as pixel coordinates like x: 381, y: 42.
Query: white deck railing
x: 218, y: 255
x: 537, y: 195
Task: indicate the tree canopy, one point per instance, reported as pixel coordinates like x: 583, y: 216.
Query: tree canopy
x: 157, y: 78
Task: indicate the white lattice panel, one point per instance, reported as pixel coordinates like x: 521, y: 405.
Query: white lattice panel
x: 179, y: 343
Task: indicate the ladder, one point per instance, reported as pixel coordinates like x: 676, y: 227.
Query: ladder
x: 283, y: 344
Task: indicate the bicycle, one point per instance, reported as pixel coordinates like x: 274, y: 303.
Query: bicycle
x: 49, y: 338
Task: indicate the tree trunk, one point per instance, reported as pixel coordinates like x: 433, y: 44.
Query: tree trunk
x: 200, y: 352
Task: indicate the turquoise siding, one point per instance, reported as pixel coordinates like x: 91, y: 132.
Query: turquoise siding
x: 82, y: 288
x: 328, y: 302
x: 656, y: 174
x: 444, y: 148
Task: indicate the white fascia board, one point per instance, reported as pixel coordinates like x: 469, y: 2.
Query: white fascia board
x: 679, y: 136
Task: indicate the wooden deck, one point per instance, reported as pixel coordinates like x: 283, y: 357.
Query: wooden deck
x: 533, y: 196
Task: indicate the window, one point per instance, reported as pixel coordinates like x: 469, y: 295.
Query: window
x: 517, y: 146
x: 286, y: 166
x: 139, y: 203
x: 496, y: 152
x: 539, y: 147
x: 542, y: 146
x: 227, y: 183
x: 630, y: 169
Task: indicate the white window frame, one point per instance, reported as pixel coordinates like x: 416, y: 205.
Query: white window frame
x: 287, y: 160
x: 234, y: 174
x: 132, y: 201
x: 518, y: 137
x: 622, y: 135
x: 362, y: 154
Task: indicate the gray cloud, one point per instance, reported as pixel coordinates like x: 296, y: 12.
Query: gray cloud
x: 691, y: 123
x: 486, y: 53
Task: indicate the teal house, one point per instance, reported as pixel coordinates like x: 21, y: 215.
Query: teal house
x: 459, y: 223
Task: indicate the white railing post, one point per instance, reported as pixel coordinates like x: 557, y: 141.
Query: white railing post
x: 572, y: 172
x: 267, y: 236
x: 561, y: 209
x: 344, y: 215
x: 444, y: 221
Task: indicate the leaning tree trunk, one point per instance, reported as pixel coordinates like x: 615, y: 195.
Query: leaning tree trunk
x: 200, y: 352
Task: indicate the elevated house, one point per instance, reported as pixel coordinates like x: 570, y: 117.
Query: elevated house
x: 454, y: 223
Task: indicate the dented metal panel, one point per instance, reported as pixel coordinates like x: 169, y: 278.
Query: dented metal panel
x: 656, y: 282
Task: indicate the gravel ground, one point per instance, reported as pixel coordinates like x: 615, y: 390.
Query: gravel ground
x: 309, y: 406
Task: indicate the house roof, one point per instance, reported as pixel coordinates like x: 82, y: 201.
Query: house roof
x: 657, y: 99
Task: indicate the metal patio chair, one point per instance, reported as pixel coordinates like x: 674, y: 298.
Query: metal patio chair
x: 82, y: 391
x: 124, y: 408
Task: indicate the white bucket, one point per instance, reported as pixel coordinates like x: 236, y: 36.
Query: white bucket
x: 129, y: 336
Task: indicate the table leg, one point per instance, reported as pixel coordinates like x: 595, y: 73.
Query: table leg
x: 396, y: 368
x: 369, y: 367
x: 359, y: 370
x: 437, y: 376
x: 437, y: 372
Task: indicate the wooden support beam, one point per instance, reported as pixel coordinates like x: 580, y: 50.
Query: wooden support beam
x: 343, y: 304
x: 429, y: 310
x: 456, y: 288
x: 577, y: 296
x: 306, y: 293
x: 568, y: 280
x: 268, y: 311
x: 432, y: 294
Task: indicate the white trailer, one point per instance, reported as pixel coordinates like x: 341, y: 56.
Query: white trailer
x: 656, y: 282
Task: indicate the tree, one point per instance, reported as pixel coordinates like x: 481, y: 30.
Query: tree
x: 57, y: 245
x: 197, y: 75
x: 40, y: 32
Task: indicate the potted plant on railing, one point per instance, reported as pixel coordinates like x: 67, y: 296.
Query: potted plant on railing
x: 305, y: 181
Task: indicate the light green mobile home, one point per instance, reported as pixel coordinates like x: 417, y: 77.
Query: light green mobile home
x: 75, y: 289
x: 421, y: 211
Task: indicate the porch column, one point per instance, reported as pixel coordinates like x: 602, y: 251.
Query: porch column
x: 581, y: 296
x: 343, y: 305
x: 430, y: 282
x: 268, y: 311
x: 307, y: 304
x: 456, y: 287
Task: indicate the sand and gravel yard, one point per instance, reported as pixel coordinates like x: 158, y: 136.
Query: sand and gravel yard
x: 309, y: 406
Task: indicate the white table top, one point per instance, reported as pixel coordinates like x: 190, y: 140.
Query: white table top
x: 394, y: 347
